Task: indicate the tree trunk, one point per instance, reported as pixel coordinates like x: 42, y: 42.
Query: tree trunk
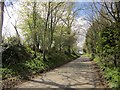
x: 69, y: 32
x: 1, y: 24
x: 34, y: 27
x: 51, y: 29
x: 115, y: 61
x: 69, y: 49
x: 18, y: 35
x: 1, y: 20
x: 44, y: 36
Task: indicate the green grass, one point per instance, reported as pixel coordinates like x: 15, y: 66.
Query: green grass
x: 111, y: 74
x: 86, y: 55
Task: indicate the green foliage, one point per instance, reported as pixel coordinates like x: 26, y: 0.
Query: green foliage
x: 35, y: 65
x: 111, y: 74
x: 14, y: 54
x: 62, y: 39
x: 109, y: 45
x: 29, y: 50
x: 11, y: 41
x: 87, y: 55
x: 6, y: 73
x: 103, y: 42
x: 46, y: 40
x: 106, y: 45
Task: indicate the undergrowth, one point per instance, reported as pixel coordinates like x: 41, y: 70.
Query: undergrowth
x: 111, y: 74
x: 26, y: 68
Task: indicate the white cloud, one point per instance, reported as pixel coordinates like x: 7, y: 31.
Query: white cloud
x: 80, y: 26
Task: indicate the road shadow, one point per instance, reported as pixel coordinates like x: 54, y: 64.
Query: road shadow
x: 77, y: 73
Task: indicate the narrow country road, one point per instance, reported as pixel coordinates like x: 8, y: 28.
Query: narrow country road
x: 76, y: 74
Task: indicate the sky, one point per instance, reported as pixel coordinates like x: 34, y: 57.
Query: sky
x: 80, y: 24
x: 10, y: 16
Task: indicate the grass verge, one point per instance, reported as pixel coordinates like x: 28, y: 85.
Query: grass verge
x: 111, y: 74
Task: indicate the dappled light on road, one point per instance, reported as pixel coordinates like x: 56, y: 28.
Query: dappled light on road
x: 76, y: 74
